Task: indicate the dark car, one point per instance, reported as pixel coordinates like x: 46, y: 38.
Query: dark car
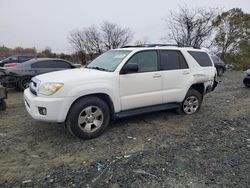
x: 219, y: 64
x: 14, y: 60
x: 246, y: 80
x: 21, y: 75
x: 3, y: 96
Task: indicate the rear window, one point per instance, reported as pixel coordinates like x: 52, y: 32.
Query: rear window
x: 202, y: 58
x: 172, y: 60
x: 25, y: 58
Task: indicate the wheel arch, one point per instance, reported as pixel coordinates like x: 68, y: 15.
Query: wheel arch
x: 199, y: 87
x: 103, y: 96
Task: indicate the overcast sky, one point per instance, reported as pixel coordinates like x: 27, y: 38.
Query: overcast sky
x: 42, y: 23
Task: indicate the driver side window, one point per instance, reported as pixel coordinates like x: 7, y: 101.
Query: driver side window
x: 146, y: 61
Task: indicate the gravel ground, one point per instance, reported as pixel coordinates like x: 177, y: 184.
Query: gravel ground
x: 162, y: 149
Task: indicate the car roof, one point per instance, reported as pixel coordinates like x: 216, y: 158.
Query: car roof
x: 34, y: 60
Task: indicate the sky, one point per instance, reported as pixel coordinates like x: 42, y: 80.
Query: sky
x: 47, y: 23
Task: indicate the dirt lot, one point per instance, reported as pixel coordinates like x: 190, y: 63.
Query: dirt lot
x: 208, y: 149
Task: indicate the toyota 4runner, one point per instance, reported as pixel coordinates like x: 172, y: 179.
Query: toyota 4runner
x: 120, y: 83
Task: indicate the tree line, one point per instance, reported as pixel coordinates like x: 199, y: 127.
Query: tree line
x: 226, y: 33
x: 46, y: 53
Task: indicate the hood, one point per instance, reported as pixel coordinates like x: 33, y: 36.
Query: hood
x: 73, y: 75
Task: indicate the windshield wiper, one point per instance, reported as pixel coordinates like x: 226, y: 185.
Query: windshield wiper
x: 99, y: 68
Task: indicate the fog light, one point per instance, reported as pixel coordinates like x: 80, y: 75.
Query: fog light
x: 42, y: 111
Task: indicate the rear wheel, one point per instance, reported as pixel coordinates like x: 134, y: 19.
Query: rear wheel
x: 88, y: 118
x: 192, y: 102
x: 247, y: 86
x: 23, y: 83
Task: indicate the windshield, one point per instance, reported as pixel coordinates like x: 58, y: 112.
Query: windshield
x: 109, y: 61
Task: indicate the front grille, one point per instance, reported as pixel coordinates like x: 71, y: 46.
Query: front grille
x: 33, y: 92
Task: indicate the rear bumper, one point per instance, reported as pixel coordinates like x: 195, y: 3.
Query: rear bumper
x: 211, y: 86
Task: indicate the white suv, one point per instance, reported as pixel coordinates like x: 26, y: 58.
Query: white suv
x: 120, y: 83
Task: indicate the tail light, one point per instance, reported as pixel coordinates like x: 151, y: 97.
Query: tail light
x: 10, y: 65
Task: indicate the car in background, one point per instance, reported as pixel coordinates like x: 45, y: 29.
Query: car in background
x: 246, y: 80
x: 15, y: 60
x: 20, y: 76
x: 219, y: 65
x: 3, y: 96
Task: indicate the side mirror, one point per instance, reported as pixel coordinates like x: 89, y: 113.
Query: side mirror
x: 129, y: 68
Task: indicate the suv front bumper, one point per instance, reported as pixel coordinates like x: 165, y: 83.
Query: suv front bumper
x: 56, y: 108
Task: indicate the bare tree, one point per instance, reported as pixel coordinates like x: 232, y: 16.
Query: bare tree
x: 76, y: 39
x: 92, y: 41
x: 143, y: 40
x: 87, y: 43
x: 114, y: 36
x: 191, y: 27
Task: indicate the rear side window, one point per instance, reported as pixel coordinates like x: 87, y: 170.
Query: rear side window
x: 51, y: 64
x: 172, y: 60
x: 202, y: 58
x: 42, y: 64
x: 60, y: 64
x: 24, y: 57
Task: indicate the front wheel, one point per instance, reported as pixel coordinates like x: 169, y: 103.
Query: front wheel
x: 88, y: 118
x: 23, y: 83
x: 192, y: 102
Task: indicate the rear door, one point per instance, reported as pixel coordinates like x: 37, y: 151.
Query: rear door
x: 175, y: 73
x: 143, y: 88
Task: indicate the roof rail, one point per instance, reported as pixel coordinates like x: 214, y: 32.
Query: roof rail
x: 134, y: 46
x: 159, y: 45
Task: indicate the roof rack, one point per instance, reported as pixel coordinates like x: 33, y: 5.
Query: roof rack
x: 159, y: 45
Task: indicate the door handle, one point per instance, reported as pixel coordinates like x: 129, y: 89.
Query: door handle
x: 156, y: 75
x: 185, y: 72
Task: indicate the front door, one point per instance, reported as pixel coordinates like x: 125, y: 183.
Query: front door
x: 143, y: 88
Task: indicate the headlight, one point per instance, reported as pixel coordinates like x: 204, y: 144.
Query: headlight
x: 49, y: 88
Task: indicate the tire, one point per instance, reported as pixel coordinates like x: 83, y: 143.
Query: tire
x: 23, y: 83
x: 192, y: 102
x: 3, y: 105
x: 247, y: 86
x: 220, y: 71
x: 88, y: 118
